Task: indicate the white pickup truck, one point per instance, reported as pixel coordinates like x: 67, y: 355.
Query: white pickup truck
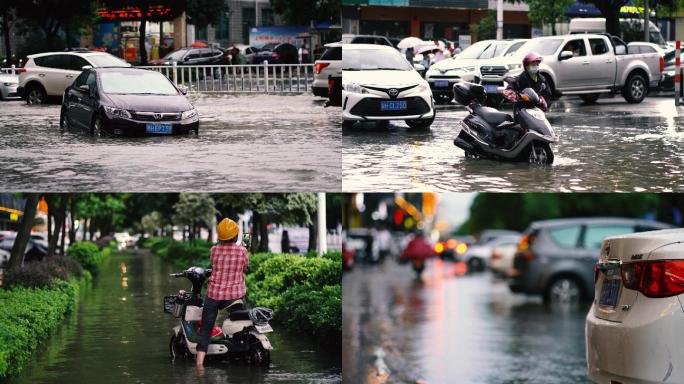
x: 586, y: 65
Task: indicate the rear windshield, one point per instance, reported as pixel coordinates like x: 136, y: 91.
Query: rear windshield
x: 332, y: 53
x: 137, y: 82
x: 474, y: 51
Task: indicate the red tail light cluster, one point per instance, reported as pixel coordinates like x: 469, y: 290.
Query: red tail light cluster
x: 660, y: 278
x: 22, y: 70
x: 662, y: 63
x: 524, y: 251
x: 319, y: 67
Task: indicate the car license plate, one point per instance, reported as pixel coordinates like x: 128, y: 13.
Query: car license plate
x: 609, y: 292
x: 441, y: 83
x: 491, y: 88
x: 161, y: 129
x: 266, y: 328
x: 399, y: 105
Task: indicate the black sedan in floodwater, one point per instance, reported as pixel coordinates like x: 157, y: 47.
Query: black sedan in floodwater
x: 127, y: 101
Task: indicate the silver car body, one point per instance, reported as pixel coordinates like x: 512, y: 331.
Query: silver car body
x: 8, y: 86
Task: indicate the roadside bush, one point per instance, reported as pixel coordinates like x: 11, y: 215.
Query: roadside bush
x: 28, y: 315
x: 88, y: 254
x: 314, y: 311
x: 43, y: 274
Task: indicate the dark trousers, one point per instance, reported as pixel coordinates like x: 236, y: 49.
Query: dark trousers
x: 209, y: 313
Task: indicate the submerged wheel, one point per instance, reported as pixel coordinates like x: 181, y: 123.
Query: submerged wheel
x: 177, y: 347
x: 258, y: 355
x: 63, y: 119
x: 540, y: 154
x: 563, y: 289
x: 36, y: 94
x: 96, y: 127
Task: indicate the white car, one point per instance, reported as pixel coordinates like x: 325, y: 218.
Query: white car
x: 464, y: 67
x: 330, y: 64
x: 246, y: 50
x: 634, y: 327
x: 478, y: 256
x: 8, y: 86
x: 503, y: 254
x: 379, y: 84
x: 50, y: 74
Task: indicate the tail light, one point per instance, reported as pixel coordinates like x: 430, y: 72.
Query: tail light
x: 275, y: 56
x: 319, y: 67
x: 524, y: 251
x: 22, y: 70
x: 661, y: 278
x: 662, y: 63
x: 452, y: 244
x: 439, y: 247
x: 496, y: 255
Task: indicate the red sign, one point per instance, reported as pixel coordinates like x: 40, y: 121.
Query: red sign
x: 132, y: 13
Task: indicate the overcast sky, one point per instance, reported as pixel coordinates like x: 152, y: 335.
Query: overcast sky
x: 455, y: 207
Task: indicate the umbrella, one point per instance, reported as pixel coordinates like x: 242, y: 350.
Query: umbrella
x: 431, y: 48
x: 409, y: 42
x: 199, y: 44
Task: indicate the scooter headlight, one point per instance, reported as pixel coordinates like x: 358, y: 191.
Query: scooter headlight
x: 537, y: 113
x: 116, y: 112
x: 354, y: 88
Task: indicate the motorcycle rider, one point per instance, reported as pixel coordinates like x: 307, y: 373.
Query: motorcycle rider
x: 229, y: 260
x: 529, y: 78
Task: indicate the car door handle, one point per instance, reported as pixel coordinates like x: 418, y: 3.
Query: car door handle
x: 585, y: 62
x: 41, y: 75
x: 609, y: 61
x: 69, y: 76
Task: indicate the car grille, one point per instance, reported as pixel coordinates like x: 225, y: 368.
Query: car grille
x: 449, y: 77
x: 371, y: 107
x: 156, y: 116
x: 493, y: 70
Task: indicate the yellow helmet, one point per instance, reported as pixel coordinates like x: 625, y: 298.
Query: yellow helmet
x: 227, y: 229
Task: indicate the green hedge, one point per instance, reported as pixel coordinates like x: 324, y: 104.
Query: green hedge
x: 89, y: 255
x: 28, y: 315
x: 304, y: 291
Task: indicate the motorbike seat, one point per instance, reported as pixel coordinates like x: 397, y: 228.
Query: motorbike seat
x: 492, y: 116
x: 242, y: 314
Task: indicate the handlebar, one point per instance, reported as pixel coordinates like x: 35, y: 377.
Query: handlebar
x: 179, y: 274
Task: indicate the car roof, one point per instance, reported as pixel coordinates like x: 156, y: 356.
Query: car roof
x: 368, y: 46
x: 596, y: 220
x: 75, y: 53
x: 121, y: 69
x: 333, y: 45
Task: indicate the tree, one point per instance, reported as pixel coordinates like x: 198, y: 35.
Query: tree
x: 195, y: 210
x: 610, y: 9
x: 548, y: 12
x: 24, y: 232
x: 53, y: 16
x: 151, y: 223
x: 487, y: 27
x: 303, y: 12
x: 8, y: 10
x: 201, y: 13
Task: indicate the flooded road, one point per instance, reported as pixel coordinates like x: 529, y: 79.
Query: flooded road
x: 449, y: 327
x: 120, y: 334
x: 246, y: 143
x: 611, y: 146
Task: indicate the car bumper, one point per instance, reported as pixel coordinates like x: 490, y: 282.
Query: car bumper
x: 356, y: 106
x: 9, y: 92
x: 647, y: 347
x: 320, y: 91
x: 20, y: 91
x: 130, y: 127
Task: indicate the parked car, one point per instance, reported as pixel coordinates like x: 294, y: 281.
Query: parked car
x: 667, y: 76
x: 128, y: 101
x: 477, y: 257
x: 586, y: 65
x: 36, y: 247
x: 245, y: 50
x: 366, y: 39
x: 379, y: 84
x: 193, y: 56
x: 556, y: 258
x: 8, y: 86
x: 49, y: 74
x: 443, y: 75
x: 330, y: 64
x: 630, y: 29
x: 633, y: 329
x: 361, y: 242
x: 501, y: 259
x: 277, y: 53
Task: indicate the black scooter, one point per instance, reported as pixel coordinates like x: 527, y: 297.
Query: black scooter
x: 490, y: 134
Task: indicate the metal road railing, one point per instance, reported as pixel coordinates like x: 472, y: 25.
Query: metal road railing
x: 259, y: 78
x: 11, y: 71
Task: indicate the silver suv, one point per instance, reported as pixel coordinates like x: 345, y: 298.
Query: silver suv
x: 50, y: 74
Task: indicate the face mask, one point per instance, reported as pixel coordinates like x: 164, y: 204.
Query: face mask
x: 533, y: 70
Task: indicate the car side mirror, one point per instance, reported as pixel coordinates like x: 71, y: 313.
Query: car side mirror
x: 86, y: 67
x: 419, y: 67
x: 186, y: 59
x: 620, y: 50
x: 565, y: 55
x: 183, y: 89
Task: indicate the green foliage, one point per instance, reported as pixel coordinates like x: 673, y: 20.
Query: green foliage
x: 302, y: 12
x: 487, y: 27
x: 194, y: 208
x: 27, y: 316
x: 180, y: 254
x: 201, y: 13
x: 89, y: 255
x: 548, y: 12
x: 43, y: 274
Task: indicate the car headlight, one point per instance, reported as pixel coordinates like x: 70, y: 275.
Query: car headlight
x: 514, y: 66
x: 354, y: 88
x: 423, y: 87
x: 188, y: 114
x: 116, y: 112
x: 469, y: 69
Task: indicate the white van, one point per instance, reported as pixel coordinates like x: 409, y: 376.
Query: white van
x: 632, y: 29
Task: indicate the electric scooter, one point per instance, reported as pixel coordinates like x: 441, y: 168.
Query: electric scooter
x: 242, y: 337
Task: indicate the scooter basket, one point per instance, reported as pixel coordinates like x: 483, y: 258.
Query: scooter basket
x: 173, y: 305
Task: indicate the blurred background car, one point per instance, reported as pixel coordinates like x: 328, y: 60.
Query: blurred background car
x: 277, y: 53
x: 245, y: 50
x: 8, y: 86
x: 633, y: 329
x: 193, y: 56
x: 366, y: 39
x: 556, y: 258
x: 330, y: 64
x: 477, y: 257
x: 503, y: 252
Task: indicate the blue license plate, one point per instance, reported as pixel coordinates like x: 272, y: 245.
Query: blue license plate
x: 441, y: 83
x: 491, y: 88
x: 609, y: 293
x: 398, y: 105
x: 159, y: 129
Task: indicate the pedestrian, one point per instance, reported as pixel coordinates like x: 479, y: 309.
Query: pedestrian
x: 457, y: 49
x: 439, y: 56
x: 237, y: 57
x: 410, y: 54
x: 285, y: 242
x: 229, y: 261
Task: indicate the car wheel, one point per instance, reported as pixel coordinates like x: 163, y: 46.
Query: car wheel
x: 635, y: 89
x: 96, y: 127
x: 564, y: 289
x: 590, y: 98
x: 420, y: 123
x: 63, y: 119
x: 36, y: 95
x: 540, y: 154
x: 348, y: 123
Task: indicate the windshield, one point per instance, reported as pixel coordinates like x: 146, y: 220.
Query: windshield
x: 494, y: 50
x: 177, y: 55
x: 543, y: 47
x: 373, y: 59
x: 137, y: 82
x: 107, y: 61
x: 474, y: 51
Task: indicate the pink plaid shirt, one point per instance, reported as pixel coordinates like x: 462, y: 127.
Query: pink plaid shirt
x: 228, y: 263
